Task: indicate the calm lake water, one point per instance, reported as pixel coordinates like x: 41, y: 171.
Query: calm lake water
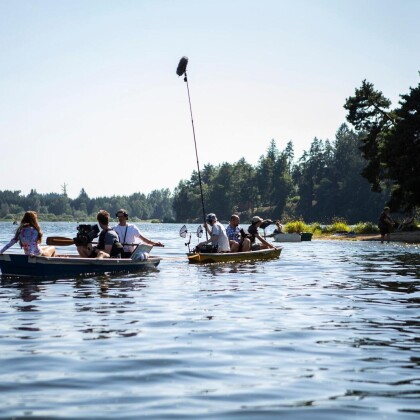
x: 328, y: 331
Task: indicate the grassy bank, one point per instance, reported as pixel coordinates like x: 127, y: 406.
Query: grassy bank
x: 336, y: 227
x: 362, y: 231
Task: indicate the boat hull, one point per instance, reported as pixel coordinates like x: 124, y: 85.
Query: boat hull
x: 306, y: 236
x: 16, y: 265
x: 287, y: 237
x: 207, y: 258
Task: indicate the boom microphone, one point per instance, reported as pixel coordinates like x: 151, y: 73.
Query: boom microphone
x: 182, y: 66
x: 182, y: 70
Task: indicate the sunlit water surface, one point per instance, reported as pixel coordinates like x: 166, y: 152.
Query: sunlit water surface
x: 330, y: 330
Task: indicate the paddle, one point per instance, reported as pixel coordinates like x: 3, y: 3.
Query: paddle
x: 59, y: 241
x: 62, y: 241
x: 265, y: 223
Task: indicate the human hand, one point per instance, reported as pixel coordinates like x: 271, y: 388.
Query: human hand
x: 159, y: 244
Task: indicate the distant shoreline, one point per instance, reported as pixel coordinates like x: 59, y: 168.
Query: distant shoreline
x: 411, y: 237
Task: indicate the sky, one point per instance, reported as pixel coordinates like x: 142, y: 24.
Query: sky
x: 90, y: 99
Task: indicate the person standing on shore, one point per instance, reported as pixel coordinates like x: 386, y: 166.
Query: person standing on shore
x: 385, y: 225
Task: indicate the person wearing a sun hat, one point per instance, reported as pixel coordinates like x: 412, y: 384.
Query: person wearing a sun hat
x: 253, y: 231
x: 217, y: 232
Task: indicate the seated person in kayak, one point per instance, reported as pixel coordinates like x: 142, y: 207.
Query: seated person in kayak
x: 238, y: 240
x: 278, y: 229
x: 128, y: 233
x: 217, y: 232
x: 256, y: 222
x: 108, y: 242
x: 29, y: 235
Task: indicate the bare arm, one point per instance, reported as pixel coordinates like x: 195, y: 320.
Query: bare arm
x: 7, y: 246
x: 149, y: 242
x: 206, y: 226
x: 107, y: 249
x: 389, y: 220
x: 262, y: 240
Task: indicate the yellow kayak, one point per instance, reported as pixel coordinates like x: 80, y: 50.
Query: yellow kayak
x: 216, y: 257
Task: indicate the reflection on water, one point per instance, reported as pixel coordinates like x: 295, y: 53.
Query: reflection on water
x: 330, y: 330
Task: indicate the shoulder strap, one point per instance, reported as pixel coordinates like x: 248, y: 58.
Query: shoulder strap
x: 101, y: 240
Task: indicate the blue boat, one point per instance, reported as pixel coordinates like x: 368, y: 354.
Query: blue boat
x: 18, y: 265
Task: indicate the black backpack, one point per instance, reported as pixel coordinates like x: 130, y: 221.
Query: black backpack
x: 117, y: 250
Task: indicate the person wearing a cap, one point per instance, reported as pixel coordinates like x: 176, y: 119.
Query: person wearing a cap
x: 253, y: 231
x: 217, y: 232
x: 128, y: 233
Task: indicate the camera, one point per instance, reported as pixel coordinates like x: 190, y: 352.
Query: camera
x: 244, y: 234
x: 205, y: 248
x: 265, y: 223
x: 86, y: 234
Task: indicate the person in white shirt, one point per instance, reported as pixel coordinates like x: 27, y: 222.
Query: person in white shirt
x: 128, y: 233
x: 218, y: 236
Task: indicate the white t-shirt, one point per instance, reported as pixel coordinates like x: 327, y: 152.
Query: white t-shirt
x: 128, y: 235
x: 222, y: 240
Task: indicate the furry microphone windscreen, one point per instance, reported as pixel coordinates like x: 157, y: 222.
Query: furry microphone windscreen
x: 182, y: 66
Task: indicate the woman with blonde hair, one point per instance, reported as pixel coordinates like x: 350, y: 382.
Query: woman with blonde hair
x: 29, y: 235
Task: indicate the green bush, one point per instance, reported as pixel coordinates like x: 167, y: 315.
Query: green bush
x: 297, y: 226
x: 315, y: 228
x: 336, y: 227
x: 366, y: 227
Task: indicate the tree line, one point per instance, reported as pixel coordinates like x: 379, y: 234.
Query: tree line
x: 390, y: 142
x: 350, y: 178
x: 156, y: 205
x: 325, y: 183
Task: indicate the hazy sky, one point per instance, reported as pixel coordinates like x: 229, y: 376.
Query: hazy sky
x: 89, y: 96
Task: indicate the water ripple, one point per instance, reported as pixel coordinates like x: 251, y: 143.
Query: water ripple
x: 330, y: 330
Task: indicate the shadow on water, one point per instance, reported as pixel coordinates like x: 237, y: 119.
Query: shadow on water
x: 231, y: 268
x: 30, y: 290
x: 97, y: 299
